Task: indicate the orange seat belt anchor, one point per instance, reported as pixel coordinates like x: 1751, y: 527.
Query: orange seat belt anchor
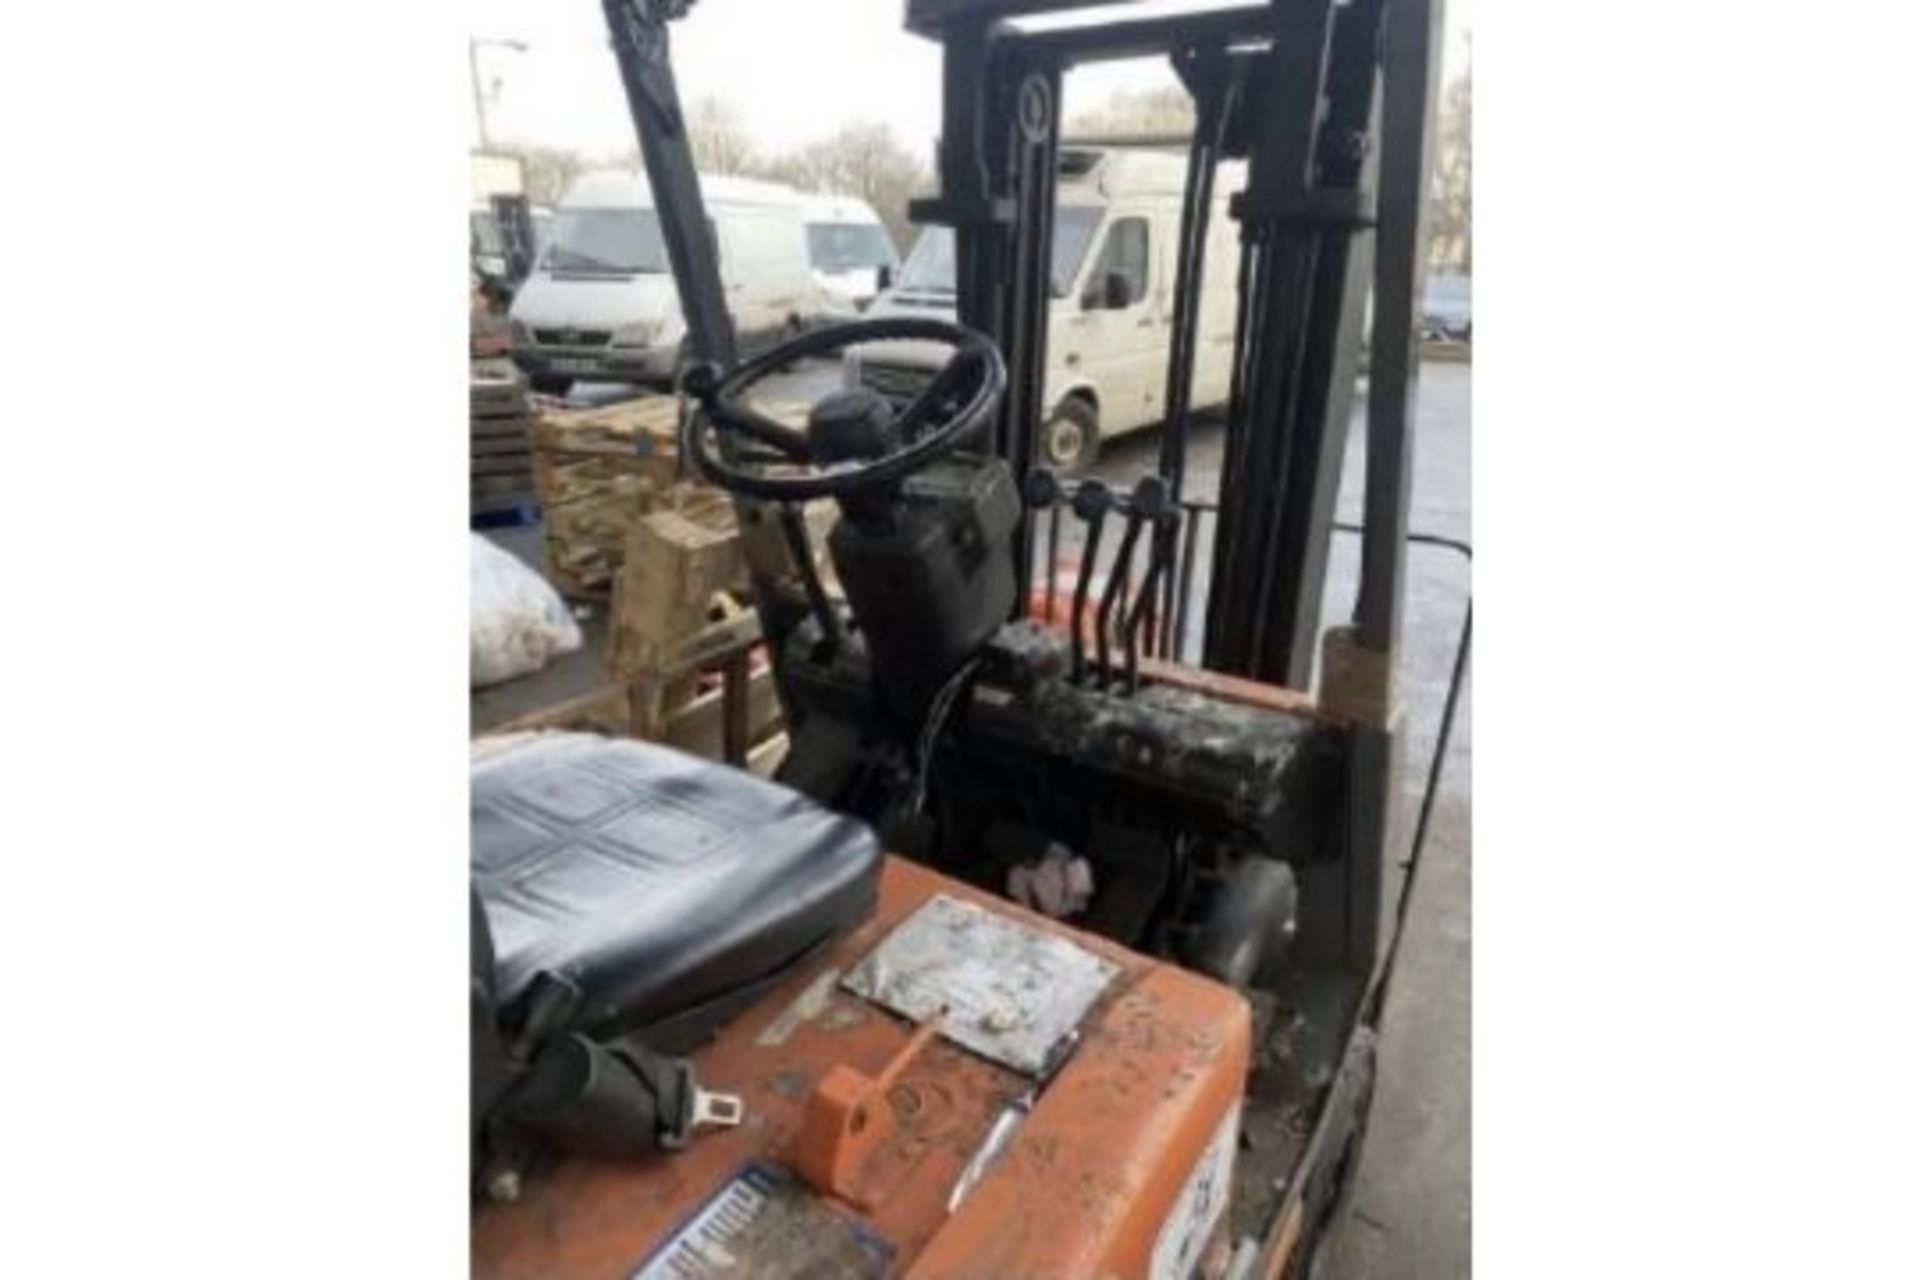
x: 849, y: 1116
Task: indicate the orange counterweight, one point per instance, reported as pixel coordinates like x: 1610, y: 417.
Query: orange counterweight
x: 861, y: 1127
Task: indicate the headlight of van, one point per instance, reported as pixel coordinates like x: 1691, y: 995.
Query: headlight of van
x: 521, y: 335
x: 638, y: 334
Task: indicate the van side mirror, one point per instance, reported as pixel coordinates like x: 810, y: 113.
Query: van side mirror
x: 883, y: 278
x: 1112, y: 292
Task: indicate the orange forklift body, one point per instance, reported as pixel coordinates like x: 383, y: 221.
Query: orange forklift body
x: 1120, y: 1166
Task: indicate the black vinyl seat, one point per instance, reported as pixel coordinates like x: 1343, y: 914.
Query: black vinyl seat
x: 661, y: 886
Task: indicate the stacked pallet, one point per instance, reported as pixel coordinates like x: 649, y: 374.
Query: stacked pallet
x: 685, y: 645
x: 501, y: 450
x: 598, y: 471
x: 677, y: 599
x: 680, y: 618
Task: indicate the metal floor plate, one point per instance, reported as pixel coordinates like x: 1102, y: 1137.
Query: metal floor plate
x: 1014, y: 994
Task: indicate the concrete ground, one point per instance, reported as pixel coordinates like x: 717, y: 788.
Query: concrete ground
x: 1410, y: 1213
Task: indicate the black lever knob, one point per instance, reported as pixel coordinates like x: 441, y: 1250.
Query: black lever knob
x: 1043, y: 488
x: 1092, y: 500
x: 1153, y: 498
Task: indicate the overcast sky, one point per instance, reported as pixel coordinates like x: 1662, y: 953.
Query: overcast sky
x: 795, y: 69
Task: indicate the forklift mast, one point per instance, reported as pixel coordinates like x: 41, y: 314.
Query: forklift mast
x: 1329, y: 103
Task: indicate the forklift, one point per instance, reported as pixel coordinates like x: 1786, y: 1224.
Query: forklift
x: 1058, y: 944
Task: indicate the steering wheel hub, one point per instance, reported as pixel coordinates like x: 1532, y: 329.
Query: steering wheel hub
x: 855, y: 425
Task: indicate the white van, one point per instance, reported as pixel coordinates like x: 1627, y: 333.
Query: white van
x: 601, y: 305
x: 1115, y: 235
x: 852, y: 253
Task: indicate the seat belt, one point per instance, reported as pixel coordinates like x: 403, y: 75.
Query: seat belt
x: 616, y: 1098
x: 612, y: 1097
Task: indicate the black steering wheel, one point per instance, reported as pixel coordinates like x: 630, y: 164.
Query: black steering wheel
x: 895, y: 449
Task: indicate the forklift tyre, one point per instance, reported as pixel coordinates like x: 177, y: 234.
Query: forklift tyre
x: 1328, y: 1197
x: 1070, y: 437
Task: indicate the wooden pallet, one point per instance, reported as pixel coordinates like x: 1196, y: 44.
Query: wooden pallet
x: 500, y: 448
x: 677, y: 608
x: 496, y: 396
x: 596, y: 471
x: 680, y: 619
x: 685, y: 654
x: 599, y: 470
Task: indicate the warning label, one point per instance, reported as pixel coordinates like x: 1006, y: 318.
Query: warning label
x: 765, y: 1222
x: 1184, y: 1234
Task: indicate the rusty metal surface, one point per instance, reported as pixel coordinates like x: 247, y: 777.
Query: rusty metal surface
x: 1012, y: 993
x: 1230, y: 688
x: 1084, y: 1186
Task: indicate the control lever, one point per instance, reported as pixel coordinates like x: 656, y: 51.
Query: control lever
x: 793, y: 528
x: 1158, y: 508
x: 1091, y: 502
x: 1149, y: 496
x: 1044, y: 490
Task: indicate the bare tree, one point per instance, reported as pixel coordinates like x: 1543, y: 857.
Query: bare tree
x: 1450, y: 214
x: 862, y: 159
x: 719, y: 137
x: 546, y: 171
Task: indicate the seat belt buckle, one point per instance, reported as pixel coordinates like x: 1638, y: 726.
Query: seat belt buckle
x: 687, y: 1107
x: 719, y: 1110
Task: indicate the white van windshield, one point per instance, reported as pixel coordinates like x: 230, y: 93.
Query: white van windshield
x: 610, y: 241
x: 848, y: 246
x: 929, y: 268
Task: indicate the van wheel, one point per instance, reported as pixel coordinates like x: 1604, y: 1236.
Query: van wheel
x: 1070, y: 437
x: 548, y: 384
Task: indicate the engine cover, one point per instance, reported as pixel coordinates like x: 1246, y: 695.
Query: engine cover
x: 1113, y: 1159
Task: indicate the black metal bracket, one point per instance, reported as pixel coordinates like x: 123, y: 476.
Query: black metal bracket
x: 641, y: 46
x: 1350, y: 210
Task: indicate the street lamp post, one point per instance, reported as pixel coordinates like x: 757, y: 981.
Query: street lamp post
x: 473, y: 71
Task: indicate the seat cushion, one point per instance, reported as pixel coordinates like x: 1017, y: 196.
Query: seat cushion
x: 654, y: 881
